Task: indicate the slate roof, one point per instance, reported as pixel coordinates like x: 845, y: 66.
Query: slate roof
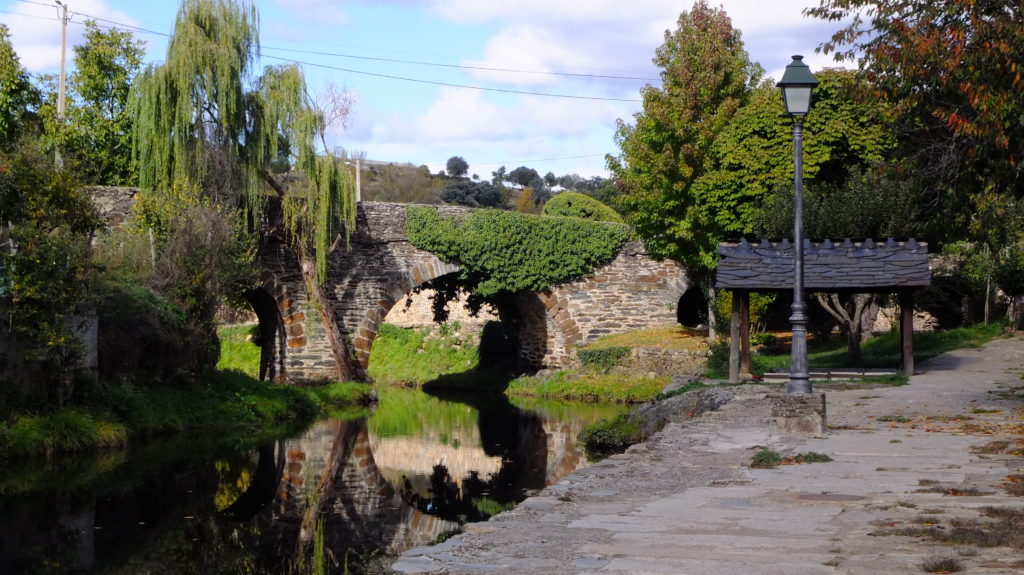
x: 866, y: 266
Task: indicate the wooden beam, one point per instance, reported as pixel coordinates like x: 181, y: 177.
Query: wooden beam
x: 907, y: 331
x: 744, y: 297
x: 734, y: 340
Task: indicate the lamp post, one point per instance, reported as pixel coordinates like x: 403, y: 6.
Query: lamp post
x: 797, y: 84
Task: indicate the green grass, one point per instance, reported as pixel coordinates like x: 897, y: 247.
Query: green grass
x: 594, y: 387
x: 884, y: 351
x: 236, y: 351
x: 402, y: 356
x: 63, y: 431
x: 229, y: 404
x: 765, y: 459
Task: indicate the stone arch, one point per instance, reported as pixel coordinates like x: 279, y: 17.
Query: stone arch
x: 369, y: 324
x: 281, y: 325
x: 562, y: 329
x: 692, y: 308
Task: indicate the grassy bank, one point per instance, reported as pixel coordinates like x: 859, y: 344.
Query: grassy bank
x: 403, y: 356
x: 445, y: 359
x: 229, y: 403
x: 587, y: 385
x: 878, y: 352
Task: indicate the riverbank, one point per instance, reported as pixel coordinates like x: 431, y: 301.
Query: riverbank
x: 913, y: 465
x: 227, y: 404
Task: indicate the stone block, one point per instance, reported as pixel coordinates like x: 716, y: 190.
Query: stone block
x: 296, y: 342
x: 295, y: 318
x: 800, y: 413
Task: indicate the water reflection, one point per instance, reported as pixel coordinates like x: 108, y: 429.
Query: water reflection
x: 338, y: 496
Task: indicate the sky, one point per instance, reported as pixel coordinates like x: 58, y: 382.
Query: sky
x: 539, y: 83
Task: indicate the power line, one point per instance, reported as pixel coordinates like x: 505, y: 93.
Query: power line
x: 453, y: 85
x: 460, y: 66
x: 375, y: 74
x: 36, y: 3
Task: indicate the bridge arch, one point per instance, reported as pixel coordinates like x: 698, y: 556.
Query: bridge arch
x: 417, y: 275
x: 281, y: 322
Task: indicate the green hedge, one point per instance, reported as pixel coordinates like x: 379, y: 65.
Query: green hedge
x: 508, y: 251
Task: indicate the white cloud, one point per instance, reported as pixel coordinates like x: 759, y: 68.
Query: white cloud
x: 35, y: 30
x: 469, y: 124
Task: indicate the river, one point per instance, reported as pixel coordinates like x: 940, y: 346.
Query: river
x: 342, y: 496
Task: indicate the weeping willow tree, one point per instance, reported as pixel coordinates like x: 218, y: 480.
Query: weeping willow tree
x: 202, y: 116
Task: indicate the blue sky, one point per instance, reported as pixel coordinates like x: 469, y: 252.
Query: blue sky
x: 598, y: 51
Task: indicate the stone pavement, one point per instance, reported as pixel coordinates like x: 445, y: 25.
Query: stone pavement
x: 686, y: 502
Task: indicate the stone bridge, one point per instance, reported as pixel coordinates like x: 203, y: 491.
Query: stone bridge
x: 314, y: 334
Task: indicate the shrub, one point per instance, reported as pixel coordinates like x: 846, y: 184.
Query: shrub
x: 576, y: 205
x: 812, y: 457
x: 766, y: 459
x: 602, y: 358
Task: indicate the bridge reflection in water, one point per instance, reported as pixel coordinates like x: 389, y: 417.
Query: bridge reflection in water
x: 414, y: 471
x: 345, y: 491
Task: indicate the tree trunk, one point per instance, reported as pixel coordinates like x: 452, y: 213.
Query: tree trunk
x: 853, y: 339
x: 712, y: 313
x: 851, y: 317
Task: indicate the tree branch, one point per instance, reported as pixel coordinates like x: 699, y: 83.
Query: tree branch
x: 281, y: 193
x: 822, y: 299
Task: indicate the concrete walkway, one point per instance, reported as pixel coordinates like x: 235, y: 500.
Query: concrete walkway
x: 688, y: 503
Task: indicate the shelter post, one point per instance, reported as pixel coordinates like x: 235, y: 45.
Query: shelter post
x: 907, y: 331
x: 744, y: 297
x: 734, y: 339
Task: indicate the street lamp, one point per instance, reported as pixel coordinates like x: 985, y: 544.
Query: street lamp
x: 797, y: 84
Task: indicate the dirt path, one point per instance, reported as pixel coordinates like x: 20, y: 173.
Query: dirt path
x: 686, y: 502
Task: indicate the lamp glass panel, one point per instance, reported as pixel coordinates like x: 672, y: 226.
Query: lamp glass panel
x: 798, y: 99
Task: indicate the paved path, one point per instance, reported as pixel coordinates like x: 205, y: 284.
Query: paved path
x: 687, y: 502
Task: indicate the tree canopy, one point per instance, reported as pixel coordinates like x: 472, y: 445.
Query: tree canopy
x: 202, y: 116
x: 457, y: 166
x: 953, y: 69
x: 19, y: 99
x: 96, y: 133
x: 706, y: 78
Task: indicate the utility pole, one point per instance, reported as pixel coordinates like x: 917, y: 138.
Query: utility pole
x: 62, y: 11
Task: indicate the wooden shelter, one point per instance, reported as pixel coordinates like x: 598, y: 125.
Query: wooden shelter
x: 847, y: 266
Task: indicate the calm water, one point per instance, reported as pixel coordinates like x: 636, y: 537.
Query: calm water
x: 341, y: 496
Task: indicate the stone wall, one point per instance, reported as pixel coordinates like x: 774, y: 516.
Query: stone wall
x: 657, y: 361
x: 114, y: 204
x: 633, y: 292
x: 381, y: 267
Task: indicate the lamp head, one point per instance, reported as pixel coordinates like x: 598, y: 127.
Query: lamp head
x: 797, y: 83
